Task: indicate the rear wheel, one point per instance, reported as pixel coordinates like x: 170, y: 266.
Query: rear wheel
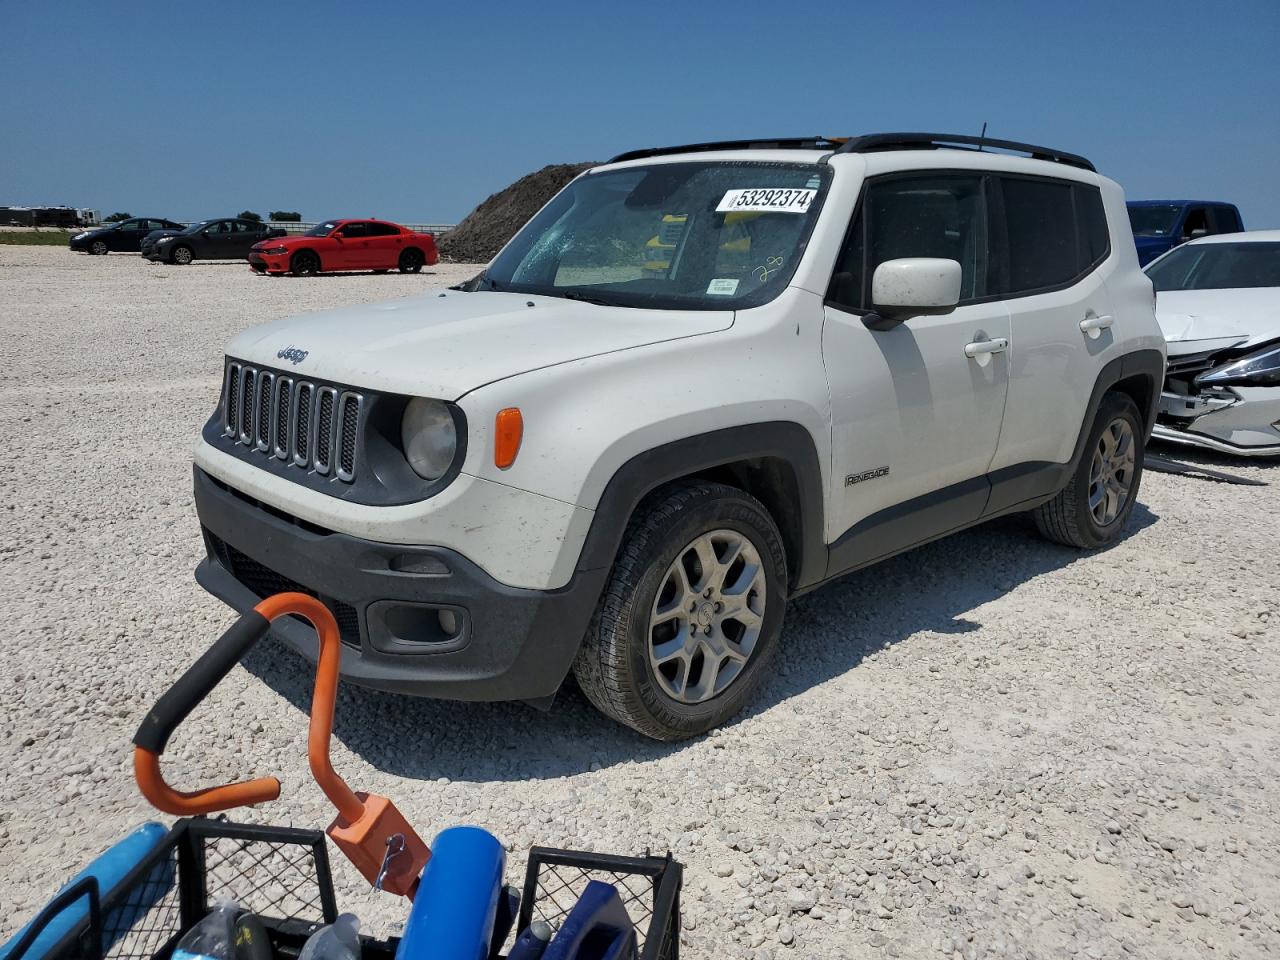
x: 182, y: 255
x: 305, y: 263
x: 1094, y: 506
x: 689, y: 620
x: 98, y: 248
x: 411, y: 260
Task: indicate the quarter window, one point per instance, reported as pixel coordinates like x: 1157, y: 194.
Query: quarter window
x: 944, y: 217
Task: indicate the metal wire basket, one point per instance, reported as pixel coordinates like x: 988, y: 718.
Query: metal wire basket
x: 282, y: 876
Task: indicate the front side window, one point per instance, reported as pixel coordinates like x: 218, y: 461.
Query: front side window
x: 1156, y: 220
x: 353, y: 230
x: 1217, y: 266
x: 219, y: 226
x: 918, y: 216
x: 698, y: 236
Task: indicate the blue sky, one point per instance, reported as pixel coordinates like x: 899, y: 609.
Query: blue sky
x: 418, y: 111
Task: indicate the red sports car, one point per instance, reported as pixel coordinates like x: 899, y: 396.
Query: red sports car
x: 337, y: 245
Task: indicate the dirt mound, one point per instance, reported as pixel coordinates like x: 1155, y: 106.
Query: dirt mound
x: 482, y: 234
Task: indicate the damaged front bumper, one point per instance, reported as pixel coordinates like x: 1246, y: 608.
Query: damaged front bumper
x: 1223, y: 401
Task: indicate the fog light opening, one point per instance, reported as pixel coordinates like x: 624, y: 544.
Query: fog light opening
x: 448, y: 621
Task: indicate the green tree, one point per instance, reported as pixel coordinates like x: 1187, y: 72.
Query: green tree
x: 117, y: 217
x: 285, y: 216
x: 250, y: 215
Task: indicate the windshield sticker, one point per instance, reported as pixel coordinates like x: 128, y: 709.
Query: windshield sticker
x: 722, y: 287
x: 767, y: 200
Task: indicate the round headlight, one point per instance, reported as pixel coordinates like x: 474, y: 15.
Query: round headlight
x: 429, y: 436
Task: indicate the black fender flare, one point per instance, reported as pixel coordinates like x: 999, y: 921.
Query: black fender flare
x: 781, y: 440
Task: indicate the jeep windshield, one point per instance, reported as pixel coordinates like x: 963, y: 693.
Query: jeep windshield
x: 678, y: 236
x: 1153, y: 221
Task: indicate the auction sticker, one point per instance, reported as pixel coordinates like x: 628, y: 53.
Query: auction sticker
x: 722, y: 287
x: 767, y: 200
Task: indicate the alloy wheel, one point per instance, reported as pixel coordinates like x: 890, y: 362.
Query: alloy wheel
x: 707, y: 616
x: 98, y: 247
x: 182, y: 255
x: 1111, y: 471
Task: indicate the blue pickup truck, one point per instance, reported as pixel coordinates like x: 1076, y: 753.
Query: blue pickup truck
x: 1160, y: 225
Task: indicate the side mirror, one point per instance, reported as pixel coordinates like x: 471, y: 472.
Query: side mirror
x: 912, y: 287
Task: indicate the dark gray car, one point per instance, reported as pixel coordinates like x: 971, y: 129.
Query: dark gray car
x: 226, y: 239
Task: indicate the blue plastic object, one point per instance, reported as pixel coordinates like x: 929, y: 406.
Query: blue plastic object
x: 597, y: 928
x: 457, y: 899
x: 108, y: 870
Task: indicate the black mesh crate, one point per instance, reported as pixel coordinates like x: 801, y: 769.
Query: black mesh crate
x: 282, y: 875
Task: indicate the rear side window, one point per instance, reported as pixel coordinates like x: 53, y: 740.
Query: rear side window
x: 382, y: 230
x: 1040, y: 233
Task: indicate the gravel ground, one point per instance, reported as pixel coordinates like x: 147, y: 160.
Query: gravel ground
x: 991, y: 746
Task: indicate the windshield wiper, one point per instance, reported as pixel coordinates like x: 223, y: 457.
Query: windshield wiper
x: 574, y: 295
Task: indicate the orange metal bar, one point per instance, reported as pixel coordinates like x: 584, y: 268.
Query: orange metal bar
x: 324, y: 698
x: 146, y: 770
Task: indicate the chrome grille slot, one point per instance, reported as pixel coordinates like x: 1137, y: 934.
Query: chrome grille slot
x: 348, y: 429
x: 231, y: 406
x: 248, y: 380
x: 262, y: 422
x: 311, y: 425
x: 326, y: 398
x: 302, y: 426
x: 283, y: 403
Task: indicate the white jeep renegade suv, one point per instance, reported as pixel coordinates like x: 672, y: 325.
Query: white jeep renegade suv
x: 700, y: 381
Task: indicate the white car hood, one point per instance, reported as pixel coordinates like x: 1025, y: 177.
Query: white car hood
x: 1198, y: 321
x: 446, y: 346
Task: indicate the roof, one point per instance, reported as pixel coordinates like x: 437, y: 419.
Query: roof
x: 1245, y: 236
x: 1178, y: 203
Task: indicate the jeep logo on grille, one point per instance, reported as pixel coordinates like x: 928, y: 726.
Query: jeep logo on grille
x: 293, y: 354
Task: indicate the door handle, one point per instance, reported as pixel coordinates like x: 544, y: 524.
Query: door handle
x: 1094, y: 326
x: 983, y: 348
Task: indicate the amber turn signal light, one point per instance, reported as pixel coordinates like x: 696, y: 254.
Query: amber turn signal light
x: 508, y: 430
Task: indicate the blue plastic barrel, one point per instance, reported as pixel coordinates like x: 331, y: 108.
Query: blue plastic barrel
x: 457, y: 899
x: 108, y: 870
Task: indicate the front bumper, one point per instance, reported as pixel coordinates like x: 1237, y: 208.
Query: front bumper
x: 496, y: 642
x: 269, y: 263
x: 1245, y: 424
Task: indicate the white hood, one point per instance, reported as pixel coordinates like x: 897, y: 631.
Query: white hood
x: 446, y: 346
x: 1198, y: 321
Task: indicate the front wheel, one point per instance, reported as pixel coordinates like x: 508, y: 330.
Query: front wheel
x: 1093, y: 508
x: 98, y: 248
x: 690, y: 617
x: 305, y: 263
x: 411, y: 261
x: 182, y: 255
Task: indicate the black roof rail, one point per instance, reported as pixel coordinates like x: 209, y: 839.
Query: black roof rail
x: 868, y: 143
x: 873, y: 142
x: 777, y: 143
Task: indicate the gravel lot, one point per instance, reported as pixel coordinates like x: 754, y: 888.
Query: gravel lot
x: 991, y: 746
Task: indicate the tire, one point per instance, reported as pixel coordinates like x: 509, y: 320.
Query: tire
x: 1094, y: 507
x: 181, y: 255
x: 304, y: 263
x: 621, y: 666
x: 411, y: 260
x: 98, y: 248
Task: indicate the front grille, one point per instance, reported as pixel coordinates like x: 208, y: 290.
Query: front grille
x: 264, y: 582
x: 305, y: 423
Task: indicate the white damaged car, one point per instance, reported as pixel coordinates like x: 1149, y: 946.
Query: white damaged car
x: 1218, y: 303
